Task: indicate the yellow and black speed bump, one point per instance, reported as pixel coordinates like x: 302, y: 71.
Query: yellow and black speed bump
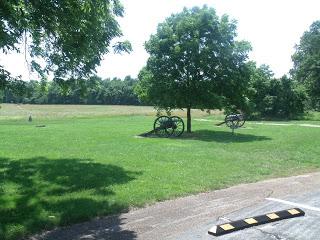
x: 254, y: 221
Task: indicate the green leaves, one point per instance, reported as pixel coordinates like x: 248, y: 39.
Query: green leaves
x: 307, y: 63
x: 120, y: 47
x: 7, y: 82
x: 194, y: 61
x: 71, y: 36
x: 5, y: 78
x: 93, y: 90
x: 270, y: 97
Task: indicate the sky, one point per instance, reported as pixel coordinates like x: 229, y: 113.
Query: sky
x: 273, y: 27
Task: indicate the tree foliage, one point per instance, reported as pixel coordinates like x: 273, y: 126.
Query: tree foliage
x: 195, y: 62
x: 93, y: 90
x: 307, y: 63
x: 7, y: 82
x: 5, y: 78
x: 66, y: 37
x: 270, y: 97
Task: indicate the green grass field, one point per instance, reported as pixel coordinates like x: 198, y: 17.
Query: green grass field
x: 88, y: 162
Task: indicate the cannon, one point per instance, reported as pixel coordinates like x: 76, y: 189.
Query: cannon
x: 234, y: 121
x: 165, y: 126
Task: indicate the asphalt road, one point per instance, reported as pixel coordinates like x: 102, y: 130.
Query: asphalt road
x: 191, y: 217
x: 306, y: 227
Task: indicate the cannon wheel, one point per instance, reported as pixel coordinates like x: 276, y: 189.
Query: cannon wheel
x: 162, y: 127
x: 177, y: 126
x: 242, y: 120
x: 231, y: 122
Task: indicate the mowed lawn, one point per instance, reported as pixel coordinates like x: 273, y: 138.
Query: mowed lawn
x: 78, y: 168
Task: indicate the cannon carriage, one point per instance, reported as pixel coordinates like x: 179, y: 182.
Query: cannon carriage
x: 165, y: 126
x: 234, y: 121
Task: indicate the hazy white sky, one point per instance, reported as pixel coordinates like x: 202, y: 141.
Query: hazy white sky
x: 272, y: 26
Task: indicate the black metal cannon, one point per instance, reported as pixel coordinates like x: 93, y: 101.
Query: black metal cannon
x: 234, y: 121
x: 165, y: 126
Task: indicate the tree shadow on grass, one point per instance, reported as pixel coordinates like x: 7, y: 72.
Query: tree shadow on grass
x: 108, y: 228
x: 41, y: 193
x: 222, y: 137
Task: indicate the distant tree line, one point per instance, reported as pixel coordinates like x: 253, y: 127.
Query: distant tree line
x: 93, y: 90
x: 265, y: 96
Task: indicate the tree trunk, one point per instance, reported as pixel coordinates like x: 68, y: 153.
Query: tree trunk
x: 188, y: 120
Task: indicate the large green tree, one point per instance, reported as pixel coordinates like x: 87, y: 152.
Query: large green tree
x: 67, y: 37
x: 195, y: 62
x: 307, y: 63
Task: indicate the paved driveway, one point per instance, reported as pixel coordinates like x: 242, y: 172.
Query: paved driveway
x: 306, y: 227
x: 191, y: 217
